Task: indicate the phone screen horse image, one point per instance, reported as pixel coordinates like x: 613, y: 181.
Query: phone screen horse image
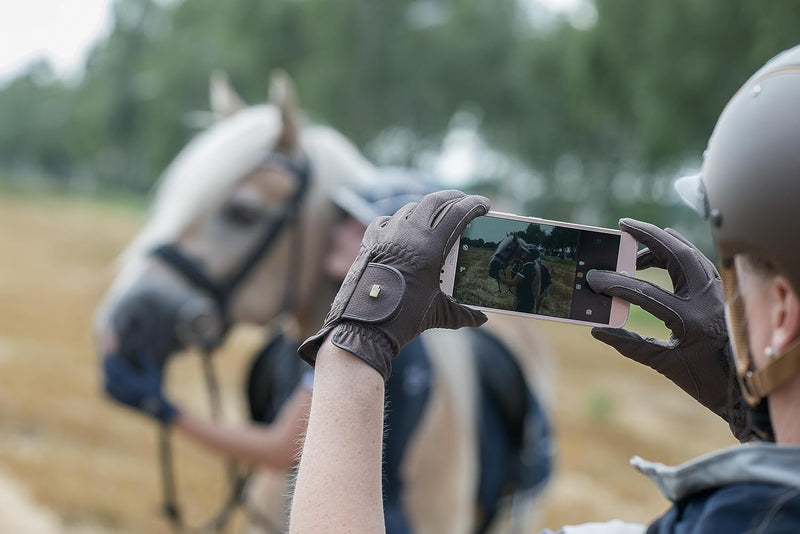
x: 237, y: 235
x: 516, y: 264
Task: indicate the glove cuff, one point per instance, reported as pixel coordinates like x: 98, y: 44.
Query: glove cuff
x: 366, y: 343
x: 309, y: 348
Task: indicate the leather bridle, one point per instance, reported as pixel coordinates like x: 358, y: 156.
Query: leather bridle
x: 221, y: 292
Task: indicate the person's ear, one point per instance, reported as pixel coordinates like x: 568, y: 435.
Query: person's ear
x: 785, y: 315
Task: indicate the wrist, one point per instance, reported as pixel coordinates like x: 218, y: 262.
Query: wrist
x: 161, y: 409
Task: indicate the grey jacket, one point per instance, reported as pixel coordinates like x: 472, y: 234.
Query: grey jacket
x: 719, y: 492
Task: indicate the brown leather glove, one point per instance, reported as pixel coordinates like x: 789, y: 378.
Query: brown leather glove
x: 391, y: 293
x: 697, y: 356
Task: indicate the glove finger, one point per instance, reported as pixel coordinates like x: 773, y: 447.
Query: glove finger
x: 645, y: 259
x: 373, y: 227
x: 454, y: 217
x: 684, y: 267
x: 711, y: 271
x: 406, y: 210
x: 444, y: 312
x: 629, y: 344
x: 648, y: 296
x: 466, y: 316
x: 433, y: 202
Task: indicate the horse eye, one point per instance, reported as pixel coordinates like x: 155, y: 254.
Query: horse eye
x: 241, y: 214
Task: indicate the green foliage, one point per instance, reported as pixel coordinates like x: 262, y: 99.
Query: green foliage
x: 605, y: 116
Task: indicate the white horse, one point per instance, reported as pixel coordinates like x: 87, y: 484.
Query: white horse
x: 210, y: 210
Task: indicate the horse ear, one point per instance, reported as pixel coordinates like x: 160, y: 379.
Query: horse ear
x: 282, y: 95
x: 224, y: 100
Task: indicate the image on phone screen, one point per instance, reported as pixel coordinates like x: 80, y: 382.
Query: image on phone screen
x: 534, y: 268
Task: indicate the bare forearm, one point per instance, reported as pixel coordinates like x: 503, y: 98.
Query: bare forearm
x: 339, y: 481
x: 275, y: 445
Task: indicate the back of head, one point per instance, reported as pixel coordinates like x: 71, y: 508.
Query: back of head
x: 748, y: 189
x: 751, y: 169
x: 531, y: 250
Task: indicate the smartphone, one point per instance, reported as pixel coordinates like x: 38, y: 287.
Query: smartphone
x: 537, y: 268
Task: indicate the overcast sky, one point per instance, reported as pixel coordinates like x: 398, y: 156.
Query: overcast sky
x: 61, y: 30
x: 64, y: 30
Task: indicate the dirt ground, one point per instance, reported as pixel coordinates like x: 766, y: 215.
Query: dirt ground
x: 69, y: 458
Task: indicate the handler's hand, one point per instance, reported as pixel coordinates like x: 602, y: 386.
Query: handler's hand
x: 697, y: 356
x: 391, y: 293
x: 139, y: 389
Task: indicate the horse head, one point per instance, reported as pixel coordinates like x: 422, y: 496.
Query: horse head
x: 506, y: 250
x: 234, y: 235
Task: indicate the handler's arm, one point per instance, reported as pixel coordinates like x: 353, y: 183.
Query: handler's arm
x: 388, y: 297
x: 339, y: 481
x: 275, y: 445
x: 514, y: 281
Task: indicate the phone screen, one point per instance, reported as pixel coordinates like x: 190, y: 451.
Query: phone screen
x: 536, y: 268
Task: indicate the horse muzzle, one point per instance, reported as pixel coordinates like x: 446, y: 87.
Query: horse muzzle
x: 496, y: 264
x: 158, y: 323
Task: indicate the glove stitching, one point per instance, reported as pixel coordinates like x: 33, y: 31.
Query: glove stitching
x: 458, y: 229
x: 412, y: 257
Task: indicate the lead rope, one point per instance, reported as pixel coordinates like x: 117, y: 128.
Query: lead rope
x: 236, y: 479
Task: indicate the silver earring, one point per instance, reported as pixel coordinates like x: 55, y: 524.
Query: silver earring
x: 769, y: 352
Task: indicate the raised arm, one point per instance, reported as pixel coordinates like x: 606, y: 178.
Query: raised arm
x: 389, y: 296
x: 342, y: 455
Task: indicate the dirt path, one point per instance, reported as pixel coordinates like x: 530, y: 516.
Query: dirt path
x: 89, y: 465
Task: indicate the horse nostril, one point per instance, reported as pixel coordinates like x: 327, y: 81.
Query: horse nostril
x: 495, y: 264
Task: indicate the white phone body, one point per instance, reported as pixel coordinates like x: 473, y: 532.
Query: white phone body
x: 564, y: 257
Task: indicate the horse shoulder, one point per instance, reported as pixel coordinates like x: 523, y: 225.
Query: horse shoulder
x: 531, y: 350
x: 441, y: 467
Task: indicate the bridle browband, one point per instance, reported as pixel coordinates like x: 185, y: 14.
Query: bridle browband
x: 221, y: 292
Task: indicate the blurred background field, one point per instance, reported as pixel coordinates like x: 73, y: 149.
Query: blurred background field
x: 575, y: 110
x: 93, y: 466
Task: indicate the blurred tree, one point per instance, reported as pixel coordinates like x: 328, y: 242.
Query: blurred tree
x: 604, y: 113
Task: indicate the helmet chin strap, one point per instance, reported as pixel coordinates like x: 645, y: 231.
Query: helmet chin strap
x: 756, y: 384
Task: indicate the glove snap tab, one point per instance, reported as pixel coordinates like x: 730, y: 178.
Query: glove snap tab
x: 378, y: 295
